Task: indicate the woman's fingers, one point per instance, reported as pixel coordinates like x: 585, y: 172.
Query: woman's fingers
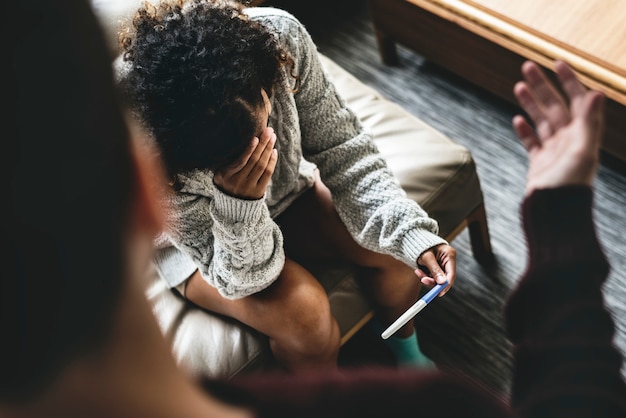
x: 429, y: 261
x: 262, y: 156
x: 265, y: 145
x: 241, y: 163
x: 269, y: 169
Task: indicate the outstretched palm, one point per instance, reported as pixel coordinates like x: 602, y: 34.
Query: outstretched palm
x: 563, y: 146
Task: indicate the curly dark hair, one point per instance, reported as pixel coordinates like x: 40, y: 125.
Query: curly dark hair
x: 196, y: 72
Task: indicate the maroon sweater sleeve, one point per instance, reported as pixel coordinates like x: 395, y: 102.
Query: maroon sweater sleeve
x: 366, y: 392
x: 565, y: 363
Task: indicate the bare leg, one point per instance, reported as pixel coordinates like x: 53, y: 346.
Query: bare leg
x: 313, y: 230
x: 293, y: 312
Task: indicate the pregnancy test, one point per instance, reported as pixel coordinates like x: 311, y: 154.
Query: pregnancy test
x: 413, y: 310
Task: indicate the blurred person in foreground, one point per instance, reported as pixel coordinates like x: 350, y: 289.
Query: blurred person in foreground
x: 78, y: 335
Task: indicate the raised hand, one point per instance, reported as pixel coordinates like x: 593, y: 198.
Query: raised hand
x: 563, y: 148
x: 248, y: 177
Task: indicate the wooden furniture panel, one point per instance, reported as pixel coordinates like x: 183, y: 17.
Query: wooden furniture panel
x: 488, y: 47
x: 577, y: 32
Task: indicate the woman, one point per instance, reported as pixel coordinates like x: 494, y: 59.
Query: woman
x: 269, y: 167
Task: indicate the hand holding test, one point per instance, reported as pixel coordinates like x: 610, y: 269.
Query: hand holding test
x: 413, y: 310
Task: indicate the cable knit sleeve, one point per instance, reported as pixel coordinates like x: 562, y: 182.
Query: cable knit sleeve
x: 234, y: 242
x: 367, y: 196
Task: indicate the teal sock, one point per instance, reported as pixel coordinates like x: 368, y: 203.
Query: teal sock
x: 406, y: 350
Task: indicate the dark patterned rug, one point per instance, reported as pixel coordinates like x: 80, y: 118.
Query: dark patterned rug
x: 463, y: 332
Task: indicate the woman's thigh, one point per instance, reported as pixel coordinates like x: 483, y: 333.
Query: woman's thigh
x: 295, y: 298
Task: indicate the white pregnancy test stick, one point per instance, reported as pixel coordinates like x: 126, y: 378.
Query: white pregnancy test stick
x: 413, y: 310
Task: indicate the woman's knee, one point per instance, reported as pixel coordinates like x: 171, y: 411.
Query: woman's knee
x: 306, y: 320
x: 390, y: 283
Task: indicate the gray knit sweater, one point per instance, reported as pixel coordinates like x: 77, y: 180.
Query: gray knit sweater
x: 235, y: 243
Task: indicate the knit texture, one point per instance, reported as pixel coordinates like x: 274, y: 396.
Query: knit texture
x: 235, y: 243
